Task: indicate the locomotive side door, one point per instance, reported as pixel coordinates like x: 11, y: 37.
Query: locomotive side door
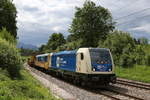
x: 80, y: 63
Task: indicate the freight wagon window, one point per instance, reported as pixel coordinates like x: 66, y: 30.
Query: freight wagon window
x: 42, y: 59
x: 82, y: 56
x: 39, y: 59
x: 45, y: 58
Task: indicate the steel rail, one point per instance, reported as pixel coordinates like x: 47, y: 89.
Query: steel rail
x: 124, y: 94
x: 134, y: 84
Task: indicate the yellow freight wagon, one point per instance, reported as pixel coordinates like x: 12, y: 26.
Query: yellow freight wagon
x: 42, y: 60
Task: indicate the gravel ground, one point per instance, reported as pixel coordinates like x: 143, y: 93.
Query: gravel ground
x: 73, y: 92
x: 133, y: 81
x: 138, y: 92
x: 69, y: 91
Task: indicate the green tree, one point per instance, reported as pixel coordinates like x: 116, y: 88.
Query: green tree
x: 148, y: 60
x: 55, y: 40
x: 27, y: 52
x: 72, y: 37
x: 143, y: 40
x: 4, y: 34
x: 42, y: 48
x: 10, y: 58
x: 122, y: 46
x: 140, y: 55
x: 70, y: 45
x: 91, y: 23
x: 8, y: 16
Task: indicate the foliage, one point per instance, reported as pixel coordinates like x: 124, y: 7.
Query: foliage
x: 147, y: 52
x: 55, y: 40
x: 8, y: 16
x: 148, y: 60
x: 121, y: 45
x: 137, y: 72
x: 42, y: 48
x: 27, y: 52
x: 126, y: 60
x: 72, y: 37
x: 124, y: 49
x: 4, y: 34
x: 70, y: 45
x: 143, y: 41
x: 26, y: 88
x: 140, y: 55
x: 91, y: 23
x: 10, y: 58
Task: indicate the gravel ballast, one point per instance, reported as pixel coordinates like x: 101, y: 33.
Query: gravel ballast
x: 67, y: 91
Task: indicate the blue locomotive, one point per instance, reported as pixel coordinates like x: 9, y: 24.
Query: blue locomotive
x: 85, y: 65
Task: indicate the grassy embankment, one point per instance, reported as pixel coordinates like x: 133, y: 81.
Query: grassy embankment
x: 138, y: 72
x: 26, y: 88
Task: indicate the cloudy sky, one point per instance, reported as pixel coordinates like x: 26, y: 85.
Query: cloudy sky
x: 37, y: 19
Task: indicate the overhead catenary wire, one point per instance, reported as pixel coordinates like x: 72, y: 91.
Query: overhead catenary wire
x: 131, y: 14
x: 133, y: 19
x: 130, y: 5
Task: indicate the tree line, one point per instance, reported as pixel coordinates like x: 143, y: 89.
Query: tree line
x: 93, y: 26
x: 10, y: 59
x: 8, y: 14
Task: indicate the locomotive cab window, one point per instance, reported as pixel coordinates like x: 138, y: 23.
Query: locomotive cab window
x: 82, y: 56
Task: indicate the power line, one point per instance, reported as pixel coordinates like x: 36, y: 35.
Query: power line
x: 134, y: 19
x: 132, y: 14
x: 131, y: 3
x: 101, y: 3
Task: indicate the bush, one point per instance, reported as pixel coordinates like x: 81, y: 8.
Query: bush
x: 4, y: 34
x: 148, y: 60
x: 140, y: 55
x: 70, y: 45
x: 10, y: 58
x: 122, y: 45
x: 124, y: 49
x: 126, y: 60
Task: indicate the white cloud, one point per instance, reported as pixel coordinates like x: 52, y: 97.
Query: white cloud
x: 57, y: 28
x: 145, y: 28
x: 41, y: 17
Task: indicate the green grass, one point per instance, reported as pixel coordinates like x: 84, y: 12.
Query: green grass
x: 138, y: 73
x: 26, y: 88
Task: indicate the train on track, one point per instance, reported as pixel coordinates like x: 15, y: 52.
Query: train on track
x: 90, y: 66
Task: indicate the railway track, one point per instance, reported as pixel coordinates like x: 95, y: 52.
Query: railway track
x: 117, y: 95
x: 134, y: 84
x: 124, y: 94
x: 114, y: 94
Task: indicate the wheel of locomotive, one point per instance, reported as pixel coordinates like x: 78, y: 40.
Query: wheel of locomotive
x: 83, y: 83
x: 61, y: 75
x: 75, y: 81
x: 57, y: 74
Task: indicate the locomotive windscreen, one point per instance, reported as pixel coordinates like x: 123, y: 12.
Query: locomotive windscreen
x: 100, y: 56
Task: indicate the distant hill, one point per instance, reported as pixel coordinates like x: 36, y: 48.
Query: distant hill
x: 26, y: 46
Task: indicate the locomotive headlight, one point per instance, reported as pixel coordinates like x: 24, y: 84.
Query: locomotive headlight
x: 109, y: 69
x: 93, y: 69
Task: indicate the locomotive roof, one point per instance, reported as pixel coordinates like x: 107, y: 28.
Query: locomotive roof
x: 66, y: 52
x: 43, y: 55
